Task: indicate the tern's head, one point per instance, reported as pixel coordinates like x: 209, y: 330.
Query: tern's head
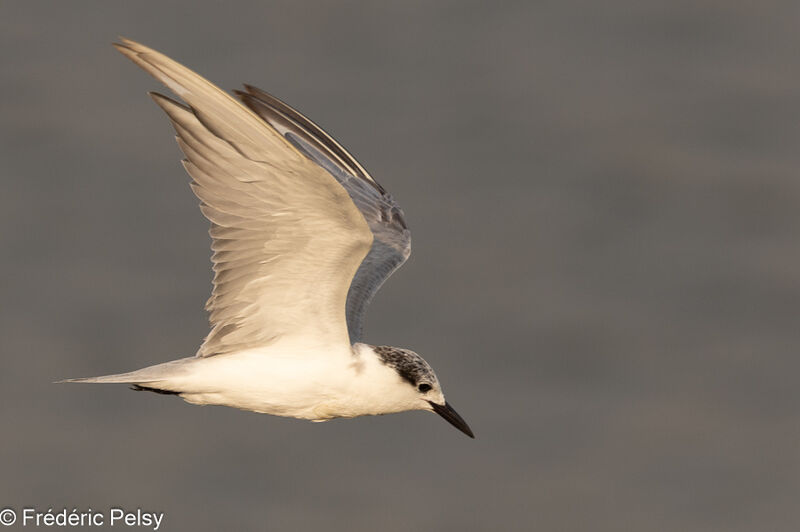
x: 418, y: 385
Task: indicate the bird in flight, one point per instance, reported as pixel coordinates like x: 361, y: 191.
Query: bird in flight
x: 302, y: 238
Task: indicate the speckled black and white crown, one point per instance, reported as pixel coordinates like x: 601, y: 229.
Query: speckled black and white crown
x: 411, y: 367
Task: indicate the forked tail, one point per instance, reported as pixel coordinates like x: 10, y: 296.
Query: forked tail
x: 152, y: 374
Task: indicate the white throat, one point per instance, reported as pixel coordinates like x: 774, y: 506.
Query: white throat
x: 308, y: 383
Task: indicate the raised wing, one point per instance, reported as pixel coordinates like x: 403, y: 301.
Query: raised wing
x: 392, y: 239
x: 287, y: 239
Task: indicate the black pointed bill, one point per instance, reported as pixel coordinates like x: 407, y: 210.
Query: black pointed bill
x: 452, y: 417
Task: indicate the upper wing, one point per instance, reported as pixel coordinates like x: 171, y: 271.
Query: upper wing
x: 287, y: 239
x: 392, y: 239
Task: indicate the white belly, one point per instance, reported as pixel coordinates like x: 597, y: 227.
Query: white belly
x: 285, y: 380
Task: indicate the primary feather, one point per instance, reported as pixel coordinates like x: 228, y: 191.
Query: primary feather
x: 392, y: 239
x: 287, y: 239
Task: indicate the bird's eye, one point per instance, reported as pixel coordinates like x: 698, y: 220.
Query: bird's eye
x: 424, y: 387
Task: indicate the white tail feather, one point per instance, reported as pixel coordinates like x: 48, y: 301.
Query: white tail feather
x: 150, y: 374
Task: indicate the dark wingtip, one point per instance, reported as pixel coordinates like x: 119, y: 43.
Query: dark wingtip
x: 138, y: 388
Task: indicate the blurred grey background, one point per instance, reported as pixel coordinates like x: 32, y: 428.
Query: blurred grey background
x: 606, y: 270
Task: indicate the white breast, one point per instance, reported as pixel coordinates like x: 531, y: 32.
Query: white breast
x: 296, y: 380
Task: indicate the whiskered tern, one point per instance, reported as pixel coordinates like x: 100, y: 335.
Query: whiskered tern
x: 302, y: 238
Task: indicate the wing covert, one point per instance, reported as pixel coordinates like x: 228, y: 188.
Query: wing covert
x: 287, y: 239
x: 391, y: 245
